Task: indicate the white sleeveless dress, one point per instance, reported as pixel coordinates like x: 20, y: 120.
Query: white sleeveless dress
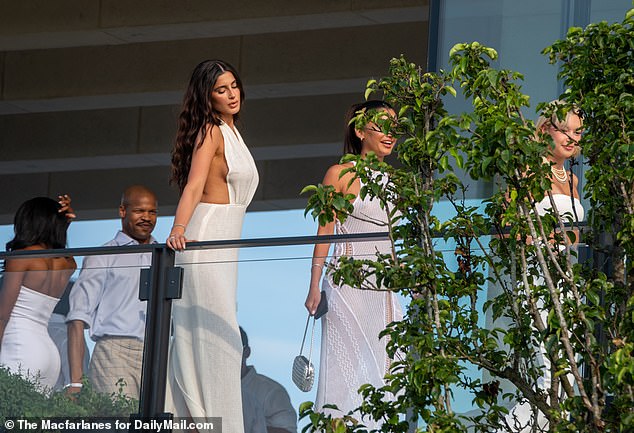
x: 27, y: 347
x: 206, y: 352
x: 351, y: 352
x: 570, y: 210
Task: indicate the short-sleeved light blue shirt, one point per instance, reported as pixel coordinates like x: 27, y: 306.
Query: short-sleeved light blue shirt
x: 106, y: 294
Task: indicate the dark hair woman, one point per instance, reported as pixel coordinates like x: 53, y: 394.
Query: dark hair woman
x: 217, y: 178
x: 355, y: 317
x: 353, y: 143
x: 31, y: 288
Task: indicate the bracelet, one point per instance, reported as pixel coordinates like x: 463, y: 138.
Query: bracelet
x: 74, y: 385
x: 318, y: 265
x: 179, y: 225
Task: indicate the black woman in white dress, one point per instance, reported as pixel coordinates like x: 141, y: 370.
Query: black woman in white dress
x: 31, y: 288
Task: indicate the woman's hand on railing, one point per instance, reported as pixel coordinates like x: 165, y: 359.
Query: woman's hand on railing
x: 177, y: 240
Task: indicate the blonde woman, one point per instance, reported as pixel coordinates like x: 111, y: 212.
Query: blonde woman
x: 565, y: 135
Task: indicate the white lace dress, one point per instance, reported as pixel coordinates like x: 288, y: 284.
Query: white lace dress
x: 351, y: 352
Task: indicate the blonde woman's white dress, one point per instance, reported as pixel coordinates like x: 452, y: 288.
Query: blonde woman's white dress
x: 206, y: 351
x: 570, y: 210
x: 351, y: 352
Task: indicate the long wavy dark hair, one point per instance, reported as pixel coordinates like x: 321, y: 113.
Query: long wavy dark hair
x: 39, y: 222
x: 352, y: 143
x: 197, y: 114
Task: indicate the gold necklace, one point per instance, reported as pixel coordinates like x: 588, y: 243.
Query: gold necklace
x: 560, y: 173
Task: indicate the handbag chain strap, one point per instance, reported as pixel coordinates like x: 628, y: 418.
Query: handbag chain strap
x: 312, y: 338
x: 304, y: 339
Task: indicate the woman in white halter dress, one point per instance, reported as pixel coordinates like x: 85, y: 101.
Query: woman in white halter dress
x: 216, y: 185
x: 565, y: 135
x: 351, y: 352
x: 31, y: 288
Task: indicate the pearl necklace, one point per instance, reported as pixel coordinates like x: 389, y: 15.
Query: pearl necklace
x: 560, y: 173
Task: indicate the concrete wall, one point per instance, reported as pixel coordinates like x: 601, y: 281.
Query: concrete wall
x: 90, y: 90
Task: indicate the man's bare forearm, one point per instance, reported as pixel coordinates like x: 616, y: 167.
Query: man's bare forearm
x: 76, y: 349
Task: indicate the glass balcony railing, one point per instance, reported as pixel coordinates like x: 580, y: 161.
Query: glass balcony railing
x: 273, y: 276
x: 272, y: 279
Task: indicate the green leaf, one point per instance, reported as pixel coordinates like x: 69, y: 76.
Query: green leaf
x: 487, y: 161
x: 444, y: 163
x: 505, y: 155
x: 492, y: 75
x: 308, y: 188
x: 368, y: 92
x: 339, y: 203
x: 455, y: 49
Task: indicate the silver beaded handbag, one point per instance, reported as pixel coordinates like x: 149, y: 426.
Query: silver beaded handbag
x: 303, y: 370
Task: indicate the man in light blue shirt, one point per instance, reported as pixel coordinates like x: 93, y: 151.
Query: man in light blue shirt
x: 105, y: 299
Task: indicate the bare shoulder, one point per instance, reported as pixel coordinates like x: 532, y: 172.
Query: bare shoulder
x: 25, y: 264
x: 213, y: 139
x: 215, y: 133
x: 335, y: 176
x: 335, y: 172
x: 213, y: 129
x: 16, y: 265
x: 64, y: 263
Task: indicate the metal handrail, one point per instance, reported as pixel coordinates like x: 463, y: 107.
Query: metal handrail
x: 202, y: 245
x: 161, y: 283
x: 223, y: 243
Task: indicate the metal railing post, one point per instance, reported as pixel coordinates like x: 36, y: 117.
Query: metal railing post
x: 158, y: 286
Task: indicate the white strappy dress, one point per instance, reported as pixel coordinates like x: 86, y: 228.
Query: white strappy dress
x: 27, y: 347
x: 206, y: 352
x: 570, y: 210
x: 351, y: 352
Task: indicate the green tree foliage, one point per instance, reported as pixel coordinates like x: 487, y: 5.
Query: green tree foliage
x: 578, y: 314
x: 22, y: 398
x: 597, y: 67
